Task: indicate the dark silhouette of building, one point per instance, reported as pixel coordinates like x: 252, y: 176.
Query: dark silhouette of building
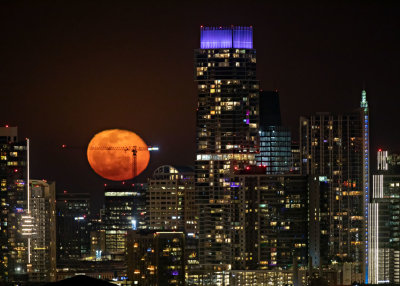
x: 270, y: 109
x: 156, y: 258
x: 73, y: 227
x: 80, y: 280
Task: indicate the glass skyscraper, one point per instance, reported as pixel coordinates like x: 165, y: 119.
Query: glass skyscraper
x: 275, y: 149
x: 275, y: 140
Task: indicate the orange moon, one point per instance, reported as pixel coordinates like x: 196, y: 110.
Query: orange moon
x: 109, y: 158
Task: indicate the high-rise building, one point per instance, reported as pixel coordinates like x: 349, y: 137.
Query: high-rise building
x: 42, y: 266
x: 270, y: 109
x: 13, y: 207
x: 171, y: 206
x: 336, y: 147
x: 227, y: 133
x: 318, y: 237
x: 170, y: 199
x: 27, y: 217
x: 275, y: 149
x: 272, y: 211
x: 73, y: 227
x: 124, y: 210
x: 275, y: 139
x: 156, y: 258
x: 393, y: 160
x: 382, y: 160
x: 384, y: 222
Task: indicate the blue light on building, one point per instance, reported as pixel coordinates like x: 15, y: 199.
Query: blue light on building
x: 275, y: 150
x: 364, y: 108
x: 236, y: 37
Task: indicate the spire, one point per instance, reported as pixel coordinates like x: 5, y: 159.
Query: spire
x: 364, y: 102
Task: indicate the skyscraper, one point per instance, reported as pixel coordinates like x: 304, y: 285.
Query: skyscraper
x: 226, y: 133
x: 27, y: 216
x: 124, y: 206
x: 73, y: 227
x: 272, y: 211
x: 13, y: 207
x: 384, y: 222
x: 336, y: 147
x: 275, y: 139
x: 170, y: 199
x: 42, y: 266
x: 270, y: 109
x: 275, y: 149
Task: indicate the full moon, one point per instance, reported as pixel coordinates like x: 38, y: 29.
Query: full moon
x: 110, y: 154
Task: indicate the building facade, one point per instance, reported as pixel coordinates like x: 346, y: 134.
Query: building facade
x: 295, y: 160
x: 97, y: 243
x: 73, y: 227
x: 27, y: 217
x: 13, y: 207
x: 273, y: 215
x: 275, y: 150
x: 124, y: 210
x: 42, y: 266
x: 275, y: 139
x: 226, y: 133
x: 156, y: 258
x: 171, y: 199
x: 384, y: 222
x: 336, y: 147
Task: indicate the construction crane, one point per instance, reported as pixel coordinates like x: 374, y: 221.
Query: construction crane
x: 133, y: 149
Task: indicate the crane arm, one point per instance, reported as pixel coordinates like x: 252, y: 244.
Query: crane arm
x: 124, y: 148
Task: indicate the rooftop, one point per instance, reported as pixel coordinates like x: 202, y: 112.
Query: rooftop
x: 219, y: 37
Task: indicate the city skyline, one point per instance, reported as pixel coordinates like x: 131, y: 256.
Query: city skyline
x: 81, y: 75
x: 278, y: 158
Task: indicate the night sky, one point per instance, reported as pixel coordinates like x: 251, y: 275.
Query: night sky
x: 69, y: 69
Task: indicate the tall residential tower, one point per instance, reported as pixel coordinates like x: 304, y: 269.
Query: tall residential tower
x: 13, y: 208
x: 335, y: 149
x: 227, y: 134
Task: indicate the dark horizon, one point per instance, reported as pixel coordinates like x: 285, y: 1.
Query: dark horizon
x: 70, y: 70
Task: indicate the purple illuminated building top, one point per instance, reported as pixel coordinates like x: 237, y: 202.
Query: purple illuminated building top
x: 236, y: 37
